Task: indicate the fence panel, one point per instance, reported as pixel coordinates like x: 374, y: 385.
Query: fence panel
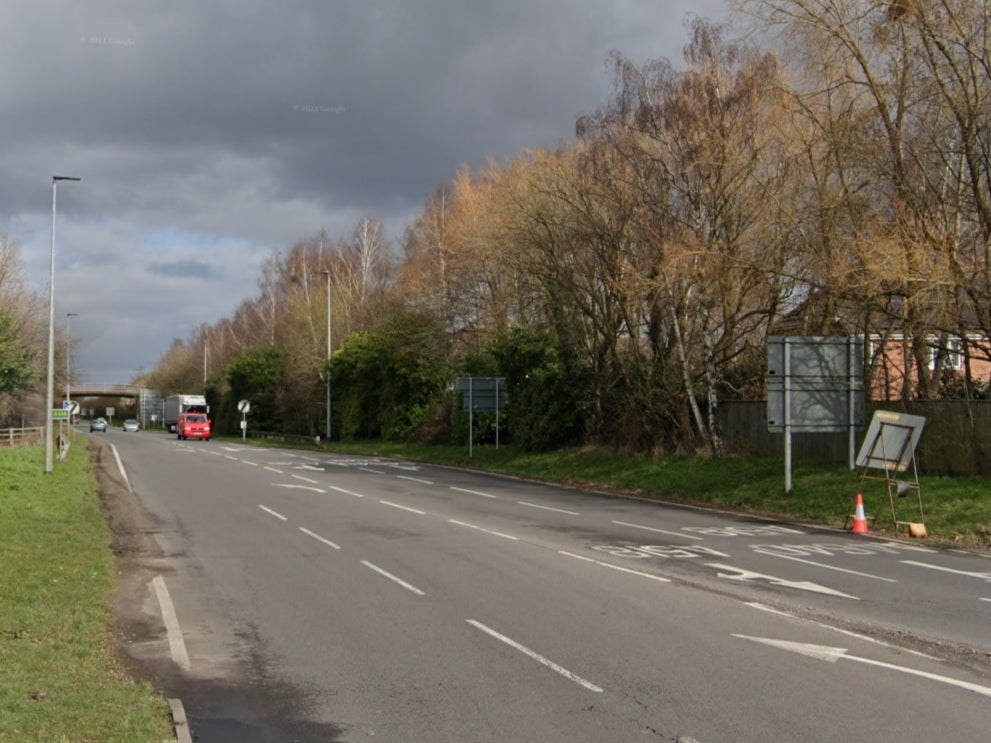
x: 955, y: 441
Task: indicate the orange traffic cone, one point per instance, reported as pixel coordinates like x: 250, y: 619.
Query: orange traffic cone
x: 859, y: 519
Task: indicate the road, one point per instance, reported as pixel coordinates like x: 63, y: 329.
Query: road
x: 307, y: 596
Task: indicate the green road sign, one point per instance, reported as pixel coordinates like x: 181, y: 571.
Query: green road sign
x: 60, y: 414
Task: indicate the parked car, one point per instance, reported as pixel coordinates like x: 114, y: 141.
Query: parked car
x: 98, y: 424
x: 131, y: 425
x: 193, y: 426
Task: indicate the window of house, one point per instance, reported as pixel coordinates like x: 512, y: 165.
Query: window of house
x: 950, y: 355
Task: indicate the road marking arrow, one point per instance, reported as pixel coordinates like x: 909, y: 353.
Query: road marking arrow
x: 832, y: 655
x: 735, y: 573
x: 968, y: 573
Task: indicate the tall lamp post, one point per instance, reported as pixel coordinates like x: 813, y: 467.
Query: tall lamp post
x: 326, y: 273
x: 50, y: 387
x: 68, y: 356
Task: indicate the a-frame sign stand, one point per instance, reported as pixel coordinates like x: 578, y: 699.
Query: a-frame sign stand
x: 889, y: 446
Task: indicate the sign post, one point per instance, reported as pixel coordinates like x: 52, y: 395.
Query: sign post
x: 814, y: 385
x: 244, y: 406
x: 485, y: 395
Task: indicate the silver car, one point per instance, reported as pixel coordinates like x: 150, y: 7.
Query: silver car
x: 131, y: 425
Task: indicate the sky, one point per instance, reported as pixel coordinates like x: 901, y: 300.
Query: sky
x: 208, y: 133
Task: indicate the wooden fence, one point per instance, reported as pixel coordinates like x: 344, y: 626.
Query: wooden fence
x: 956, y: 439
x: 22, y: 436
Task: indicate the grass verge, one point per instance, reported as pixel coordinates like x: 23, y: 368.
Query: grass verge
x: 60, y: 679
x: 955, y: 509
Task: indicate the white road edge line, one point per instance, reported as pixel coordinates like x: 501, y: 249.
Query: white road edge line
x: 120, y: 467
x: 615, y: 567
x: 177, y: 646
x: 487, y: 531
x: 535, y: 655
x: 402, y: 508
x: 547, y: 508
x: 346, y: 492
x: 658, y: 531
x: 277, y: 515
x: 771, y: 553
x: 392, y: 577
x: 319, y: 538
x: 474, y: 492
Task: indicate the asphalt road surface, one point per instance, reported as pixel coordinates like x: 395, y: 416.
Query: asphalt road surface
x: 295, y: 596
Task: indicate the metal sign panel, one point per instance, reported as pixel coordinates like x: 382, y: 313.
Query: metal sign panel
x: 482, y: 394
x: 890, y: 441
x: 814, y: 409
x: 817, y: 357
x: 815, y: 384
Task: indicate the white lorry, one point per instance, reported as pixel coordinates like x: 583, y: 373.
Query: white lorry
x: 176, y: 405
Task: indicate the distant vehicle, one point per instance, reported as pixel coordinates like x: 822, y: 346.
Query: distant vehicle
x: 176, y: 405
x: 193, y: 426
x: 131, y: 425
x: 98, y: 424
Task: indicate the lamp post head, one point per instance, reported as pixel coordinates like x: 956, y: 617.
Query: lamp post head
x: 65, y: 178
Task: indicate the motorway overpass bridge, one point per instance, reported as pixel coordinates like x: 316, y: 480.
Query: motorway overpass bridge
x: 150, y: 404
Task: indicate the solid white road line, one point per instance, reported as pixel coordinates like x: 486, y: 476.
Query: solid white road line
x: 274, y: 513
x: 614, y: 567
x: 120, y: 467
x: 658, y: 531
x: 319, y: 538
x: 177, y: 646
x: 402, y: 508
x: 547, y: 508
x: 487, y: 531
x: 392, y: 577
x: 770, y: 553
x: 474, y: 492
x: 535, y: 655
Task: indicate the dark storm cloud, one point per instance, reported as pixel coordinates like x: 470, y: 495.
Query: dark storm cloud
x: 257, y: 123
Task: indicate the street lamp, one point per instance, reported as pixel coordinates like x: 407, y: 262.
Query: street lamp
x: 50, y: 387
x: 68, y: 356
x: 326, y: 273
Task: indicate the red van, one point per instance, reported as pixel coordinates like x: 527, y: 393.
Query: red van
x: 193, y: 426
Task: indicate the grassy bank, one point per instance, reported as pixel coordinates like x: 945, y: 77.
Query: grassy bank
x: 956, y: 509
x: 60, y: 681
